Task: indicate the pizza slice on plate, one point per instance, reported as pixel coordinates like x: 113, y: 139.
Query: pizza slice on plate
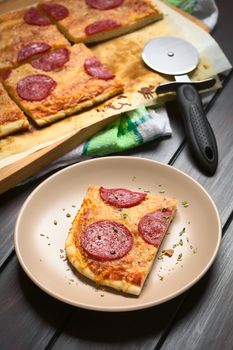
x: 116, y: 235
x: 26, y: 34
x: 60, y: 83
x: 12, y: 118
x: 95, y: 20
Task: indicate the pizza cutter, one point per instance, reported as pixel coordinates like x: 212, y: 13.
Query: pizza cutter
x: 174, y: 56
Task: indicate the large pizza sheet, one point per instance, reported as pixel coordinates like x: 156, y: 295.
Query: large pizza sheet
x: 123, y: 55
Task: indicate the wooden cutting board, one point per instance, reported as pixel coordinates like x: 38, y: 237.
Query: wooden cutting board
x: 17, y: 172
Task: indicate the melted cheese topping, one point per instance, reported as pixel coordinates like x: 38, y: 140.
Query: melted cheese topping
x: 81, y: 15
x: 134, y: 267
x: 15, y: 34
x: 74, y: 87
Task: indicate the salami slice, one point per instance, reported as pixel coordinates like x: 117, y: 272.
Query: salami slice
x: 56, y: 11
x: 32, y: 49
x: 104, y: 4
x: 106, y: 240
x: 52, y: 60
x: 35, y: 87
x: 6, y: 73
x: 121, y: 197
x: 153, y: 226
x: 34, y: 17
x: 96, y: 69
x: 101, y: 26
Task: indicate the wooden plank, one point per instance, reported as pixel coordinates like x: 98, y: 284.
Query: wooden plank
x: 10, y: 204
x: 28, y: 316
x: 206, y: 321
x: 139, y: 330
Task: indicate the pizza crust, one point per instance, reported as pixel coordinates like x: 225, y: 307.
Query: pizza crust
x: 12, y: 118
x: 135, y: 266
x: 12, y: 127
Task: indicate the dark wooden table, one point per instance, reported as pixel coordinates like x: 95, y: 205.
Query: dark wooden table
x: 201, y: 318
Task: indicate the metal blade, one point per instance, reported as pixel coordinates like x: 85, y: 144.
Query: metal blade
x: 170, y: 55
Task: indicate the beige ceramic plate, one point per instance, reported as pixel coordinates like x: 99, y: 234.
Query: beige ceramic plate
x: 47, y: 214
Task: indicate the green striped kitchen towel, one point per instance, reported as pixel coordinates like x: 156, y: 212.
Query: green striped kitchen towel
x: 129, y: 130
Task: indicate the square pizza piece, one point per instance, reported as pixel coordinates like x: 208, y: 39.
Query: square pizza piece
x: 12, y: 118
x: 116, y: 235
x: 26, y: 34
x: 95, y: 20
x: 61, y: 83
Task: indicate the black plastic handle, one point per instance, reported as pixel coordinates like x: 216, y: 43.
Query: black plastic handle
x: 199, y: 132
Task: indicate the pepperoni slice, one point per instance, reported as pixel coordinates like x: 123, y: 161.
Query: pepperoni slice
x: 106, y: 240
x: 31, y: 50
x: 101, y: 26
x: 121, y: 197
x: 34, y: 17
x: 56, y: 11
x: 6, y: 73
x: 52, y: 60
x: 35, y: 87
x: 153, y: 226
x: 104, y: 4
x: 96, y: 69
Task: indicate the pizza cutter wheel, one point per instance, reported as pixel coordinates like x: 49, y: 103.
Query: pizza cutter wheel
x: 173, y: 56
